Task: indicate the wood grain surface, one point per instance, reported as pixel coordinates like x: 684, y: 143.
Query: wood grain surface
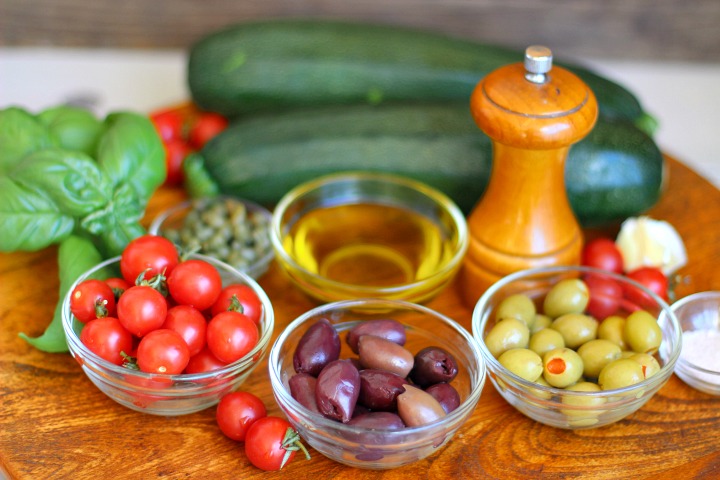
x: 683, y: 30
x: 54, y: 424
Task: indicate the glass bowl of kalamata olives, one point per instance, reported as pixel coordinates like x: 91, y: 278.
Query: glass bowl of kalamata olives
x: 375, y: 383
x: 575, y: 347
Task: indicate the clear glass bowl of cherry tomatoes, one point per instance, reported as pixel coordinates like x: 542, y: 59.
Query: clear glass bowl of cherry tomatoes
x: 165, y: 334
x: 576, y: 347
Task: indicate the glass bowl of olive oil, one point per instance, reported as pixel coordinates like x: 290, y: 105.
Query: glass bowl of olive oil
x: 362, y: 234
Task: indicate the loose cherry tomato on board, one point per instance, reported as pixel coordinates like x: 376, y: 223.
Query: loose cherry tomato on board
x: 91, y: 299
x: 107, y: 338
x: 271, y: 443
x: 175, y: 153
x: 602, y: 253
x: 236, y: 412
x: 651, y: 278
x: 142, y: 309
x: 151, y: 254
x: 231, y: 336
x: 169, y: 124
x: 205, y: 128
x: 190, y: 323
x: 162, y: 351
x: 246, y: 298
x: 194, y: 282
x: 605, y: 296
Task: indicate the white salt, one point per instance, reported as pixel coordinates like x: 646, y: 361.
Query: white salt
x: 702, y: 349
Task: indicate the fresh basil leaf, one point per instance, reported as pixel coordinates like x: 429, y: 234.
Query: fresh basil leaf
x: 72, y: 180
x: 29, y: 221
x: 20, y: 134
x: 73, y: 128
x: 76, y: 255
x: 130, y: 151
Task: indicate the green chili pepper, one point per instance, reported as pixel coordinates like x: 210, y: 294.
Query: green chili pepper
x: 198, y: 182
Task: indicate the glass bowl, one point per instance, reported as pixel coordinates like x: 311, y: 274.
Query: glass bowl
x: 363, y: 447
x: 564, y: 408
x: 160, y: 394
x: 368, y: 235
x: 699, y: 363
x: 233, y: 230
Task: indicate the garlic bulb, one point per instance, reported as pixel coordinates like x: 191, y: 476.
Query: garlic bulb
x: 644, y: 241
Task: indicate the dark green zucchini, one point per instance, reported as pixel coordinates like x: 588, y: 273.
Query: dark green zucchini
x: 615, y: 172
x: 282, y: 64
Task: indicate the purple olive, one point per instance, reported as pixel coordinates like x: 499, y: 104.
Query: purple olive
x: 433, y: 365
x: 318, y: 346
x: 379, y: 389
x: 378, y: 421
x: 379, y: 353
x: 302, y: 389
x: 417, y: 407
x: 446, y: 395
x: 337, y: 390
x: 388, y: 329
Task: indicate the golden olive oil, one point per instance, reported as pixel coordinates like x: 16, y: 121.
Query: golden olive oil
x: 368, y: 244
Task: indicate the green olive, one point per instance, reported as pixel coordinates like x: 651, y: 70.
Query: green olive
x: 576, y: 328
x: 612, y: 329
x: 540, y: 393
x: 506, y: 334
x: 567, y: 296
x: 518, y: 306
x: 562, y: 367
x: 596, y: 354
x: 583, y: 415
x: 642, y: 332
x: 650, y: 365
x: 620, y: 373
x: 522, y: 362
x: 541, y: 321
x: 545, y: 340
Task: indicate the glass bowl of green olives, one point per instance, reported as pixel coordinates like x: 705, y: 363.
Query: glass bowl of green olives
x: 575, y: 347
x: 233, y: 230
x: 374, y: 383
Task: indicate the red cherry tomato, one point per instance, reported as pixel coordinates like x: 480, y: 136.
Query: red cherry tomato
x: 168, y: 123
x: 162, y: 351
x: 190, y: 323
x: 205, y: 128
x: 142, y: 309
x: 152, y: 254
x: 107, y: 338
x: 605, y: 296
x: 91, y: 299
x: 236, y: 412
x: 175, y: 153
x: 196, y: 283
x: 651, y: 278
x: 118, y: 285
x: 271, y: 443
x: 231, y: 336
x: 246, y: 297
x: 203, y: 362
x: 602, y: 253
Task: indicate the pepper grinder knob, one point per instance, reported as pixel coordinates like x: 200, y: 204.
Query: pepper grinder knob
x: 533, y: 112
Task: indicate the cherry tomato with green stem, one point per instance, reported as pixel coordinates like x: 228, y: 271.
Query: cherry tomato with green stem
x: 142, y: 309
x: 245, y: 297
x: 107, y: 338
x: 91, y: 299
x: 236, y: 412
x: 118, y: 286
x: 271, y: 443
x: 162, y: 351
x: 194, y: 282
x: 151, y: 254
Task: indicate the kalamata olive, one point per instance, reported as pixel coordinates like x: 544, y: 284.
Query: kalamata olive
x: 382, y: 354
x: 378, y: 421
x: 433, y: 365
x: 337, y: 390
x: 379, y: 389
x: 302, y: 389
x: 318, y: 346
x: 446, y: 395
x: 388, y: 329
x: 417, y: 407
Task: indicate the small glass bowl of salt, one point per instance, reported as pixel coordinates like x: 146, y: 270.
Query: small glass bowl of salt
x: 699, y: 362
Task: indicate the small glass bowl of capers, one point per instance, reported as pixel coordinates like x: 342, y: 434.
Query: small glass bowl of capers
x: 575, y: 347
x: 232, y: 230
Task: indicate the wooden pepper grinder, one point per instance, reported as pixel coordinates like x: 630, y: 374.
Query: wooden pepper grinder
x: 533, y: 113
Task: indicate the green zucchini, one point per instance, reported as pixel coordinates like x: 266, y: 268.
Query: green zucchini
x: 613, y: 173
x: 280, y: 64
